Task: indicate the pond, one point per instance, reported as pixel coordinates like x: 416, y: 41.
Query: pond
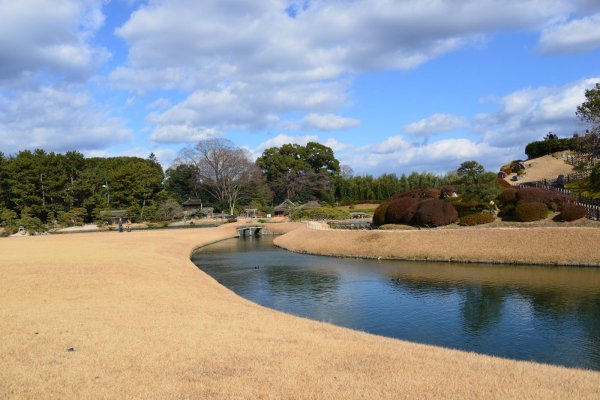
x: 539, y: 313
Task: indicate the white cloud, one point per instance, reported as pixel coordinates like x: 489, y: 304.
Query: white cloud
x: 328, y: 122
x: 438, y: 157
x: 57, y: 119
x: 44, y: 36
x: 181, y: 134
x: 281, y: 139
x: 251, y: 62
x: 529, y: 114
x: 572, y: 37
x: 435, y: 124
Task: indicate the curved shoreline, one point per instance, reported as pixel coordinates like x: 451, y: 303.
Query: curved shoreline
x: 144, y: 322
x: 531, y: 246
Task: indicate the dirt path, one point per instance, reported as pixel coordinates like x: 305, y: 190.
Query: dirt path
x: 143, y: 322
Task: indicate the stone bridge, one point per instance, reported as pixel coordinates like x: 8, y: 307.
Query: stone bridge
x: 249, y: 231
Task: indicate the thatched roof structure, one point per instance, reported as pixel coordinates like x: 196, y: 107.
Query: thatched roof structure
x: 285, y: 207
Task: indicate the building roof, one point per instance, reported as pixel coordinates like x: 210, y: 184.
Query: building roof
x: 114, y: 213
x: 192, y: 202
x: 285, y: 205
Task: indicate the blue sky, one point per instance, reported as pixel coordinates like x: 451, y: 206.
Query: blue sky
x: 391, y: 86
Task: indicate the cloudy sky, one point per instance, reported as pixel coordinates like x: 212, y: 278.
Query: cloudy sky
x: 391, y: 86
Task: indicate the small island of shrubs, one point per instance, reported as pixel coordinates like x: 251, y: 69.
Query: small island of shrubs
x: 477, y: 198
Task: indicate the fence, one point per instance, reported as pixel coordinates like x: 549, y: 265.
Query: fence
x: 591, y: 205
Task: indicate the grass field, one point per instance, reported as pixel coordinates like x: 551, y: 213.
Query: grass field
x: 143, y: 322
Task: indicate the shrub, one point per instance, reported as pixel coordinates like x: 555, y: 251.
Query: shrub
x: 419, y: 194
x: 379, y: 214
x: 595, y: 178
x: 508, y: 196
x: 318, y: 213
x: 543, y: 147
x: 507, y: 212
x: 552, y: 200
x: 503, y: 183
x: 571, y: 212
x: 531, y: 211
x: 32, y: 225
x: 470, y: 206
x: 476, y: 219
x: 401, y: 210
x: 435, y: 212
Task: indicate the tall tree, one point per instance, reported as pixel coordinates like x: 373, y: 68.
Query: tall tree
x: 589, y: 112
x: 225, y: 170
x: 300, y: 172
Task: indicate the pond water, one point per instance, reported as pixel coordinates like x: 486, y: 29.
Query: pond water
x: 539, y: 313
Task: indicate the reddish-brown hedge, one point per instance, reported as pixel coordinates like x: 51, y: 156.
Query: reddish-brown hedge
x: 419, y: 194
x: 476, y: 219
x: 435, y: 212
x: 508, y: 196
x: 571, y: 212
x: 553, y: 200
x: 401, y: 210
x: 531, y: 211
x: 503, y: 183
x: 379, y: 214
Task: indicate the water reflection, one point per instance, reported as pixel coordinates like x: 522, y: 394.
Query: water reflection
x: 547, y: 314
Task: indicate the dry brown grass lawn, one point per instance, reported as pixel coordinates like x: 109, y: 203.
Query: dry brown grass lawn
x: 361, y: 206
x: 146, y: 323
x: 535, y: 245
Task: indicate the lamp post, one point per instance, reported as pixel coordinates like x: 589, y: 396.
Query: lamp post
x: 107, y: 193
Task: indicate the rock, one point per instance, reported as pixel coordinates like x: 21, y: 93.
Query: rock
x: 70, y: 349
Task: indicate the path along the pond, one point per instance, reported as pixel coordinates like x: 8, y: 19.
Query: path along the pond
x: 142, y: 321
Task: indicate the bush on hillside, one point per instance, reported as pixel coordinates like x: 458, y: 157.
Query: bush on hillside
x: 503, y: 183
x: 553, y: 200
x: 508, y: 196
x: 476, y: 219
x: 379, y: 214
x: 531, y: 211
x: 401, y: 210
x: 571, y: 212
x: 595, y: 178
x: 434, y: 212
x: 543, y: 147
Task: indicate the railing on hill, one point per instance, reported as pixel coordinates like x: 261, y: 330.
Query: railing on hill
x: 591, y: 205
x: 582, y: 159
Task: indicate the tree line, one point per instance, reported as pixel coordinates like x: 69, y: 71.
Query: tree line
x: 40, y: 188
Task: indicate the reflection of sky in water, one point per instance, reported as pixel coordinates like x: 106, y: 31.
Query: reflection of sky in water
x: 546, y: 314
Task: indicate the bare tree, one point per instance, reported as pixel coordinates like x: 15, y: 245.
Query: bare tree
x: 224, y: 169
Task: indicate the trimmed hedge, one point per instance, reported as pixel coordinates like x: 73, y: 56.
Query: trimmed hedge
x: 401, y: 210
x: 435, y: 212
x: 379, y: 214
x: 318, y: 213
x: 571, y: 212
x: 503, y: 183
x: 553, y: 200
x: 531, y: 211
x: 476, y: 219
x: 543, y: 147
x: 508, y: 196
x: 419, y: 194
